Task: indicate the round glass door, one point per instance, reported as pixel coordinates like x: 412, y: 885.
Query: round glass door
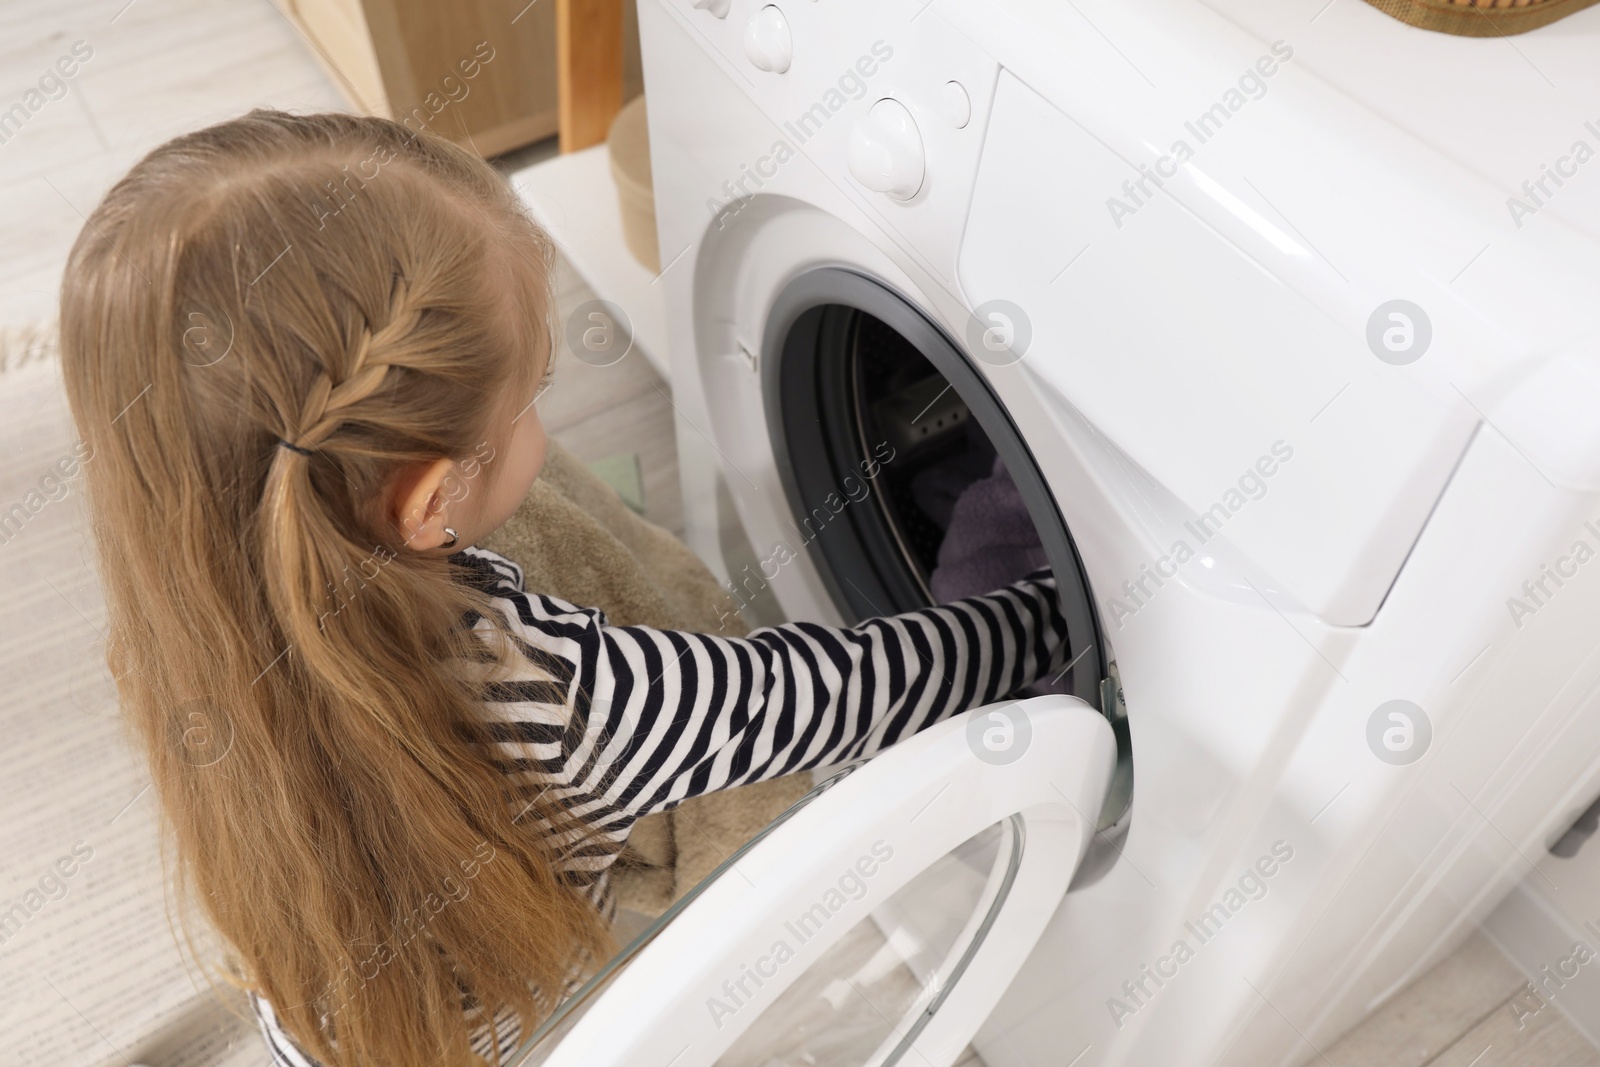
x: 867, y: 998
x: 877, y: 921
x: 547, y: 1038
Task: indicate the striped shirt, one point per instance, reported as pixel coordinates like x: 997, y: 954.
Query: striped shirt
x: 618, y: 722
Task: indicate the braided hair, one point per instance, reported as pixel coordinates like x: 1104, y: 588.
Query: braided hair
x: 364, y: 294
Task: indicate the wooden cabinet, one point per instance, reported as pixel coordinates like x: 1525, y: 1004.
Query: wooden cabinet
x: 480, y: 72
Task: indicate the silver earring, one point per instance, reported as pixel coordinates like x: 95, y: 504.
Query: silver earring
x: 453, y: 538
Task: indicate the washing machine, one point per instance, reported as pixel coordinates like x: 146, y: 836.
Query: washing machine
x: 1281, y: 319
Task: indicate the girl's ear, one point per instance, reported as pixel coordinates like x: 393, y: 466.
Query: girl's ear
x: 420, y: 502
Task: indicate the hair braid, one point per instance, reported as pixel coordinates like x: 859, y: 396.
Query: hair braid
x: 322, y: 412
x: 351, y: 796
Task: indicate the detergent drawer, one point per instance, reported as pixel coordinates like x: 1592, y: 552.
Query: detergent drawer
x: 1270, y: 423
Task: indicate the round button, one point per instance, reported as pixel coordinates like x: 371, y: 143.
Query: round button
x: 955, y: 104
x: 767, y: 43
x: 886, y: 153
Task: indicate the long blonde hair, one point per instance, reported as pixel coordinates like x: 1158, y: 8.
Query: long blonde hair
x: 291, y: 669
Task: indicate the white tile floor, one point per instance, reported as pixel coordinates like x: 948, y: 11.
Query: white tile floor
x: 160, y: 67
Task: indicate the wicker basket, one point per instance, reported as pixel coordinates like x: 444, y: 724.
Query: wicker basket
x: 1479, y: 18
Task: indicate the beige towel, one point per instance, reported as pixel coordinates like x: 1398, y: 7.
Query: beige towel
x: 575, y: 539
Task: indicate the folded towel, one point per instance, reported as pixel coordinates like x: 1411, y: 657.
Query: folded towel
x: 576, y: 539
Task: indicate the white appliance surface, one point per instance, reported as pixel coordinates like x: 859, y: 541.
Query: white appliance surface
x: 1174, y: 342
x: 1242, y: 125
x: 1504, y: 109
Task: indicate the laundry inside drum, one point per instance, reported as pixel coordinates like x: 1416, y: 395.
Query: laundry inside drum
x: 962, y: 523
x: 908, y: 482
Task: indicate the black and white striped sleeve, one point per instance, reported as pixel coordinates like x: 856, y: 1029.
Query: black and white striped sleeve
x: 624, y: 721
x: 618, y: 722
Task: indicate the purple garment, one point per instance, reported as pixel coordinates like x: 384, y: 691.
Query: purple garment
x: 991, y: 541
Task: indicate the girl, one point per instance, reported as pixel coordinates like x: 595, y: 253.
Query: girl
x: 304, y: 353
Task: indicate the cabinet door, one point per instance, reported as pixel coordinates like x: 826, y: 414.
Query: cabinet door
x: 878, y: 920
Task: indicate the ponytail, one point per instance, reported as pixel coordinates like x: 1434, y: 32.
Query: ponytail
x: 368, y: 865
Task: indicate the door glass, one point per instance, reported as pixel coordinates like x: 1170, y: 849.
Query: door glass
x: 545, y: 1039
x: 866, y: 999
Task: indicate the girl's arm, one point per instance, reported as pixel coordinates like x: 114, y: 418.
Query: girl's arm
x: 624, y: 721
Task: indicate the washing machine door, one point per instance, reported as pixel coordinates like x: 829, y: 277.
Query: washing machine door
x: 877, y: 921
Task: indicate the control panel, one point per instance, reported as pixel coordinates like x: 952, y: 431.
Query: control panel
x: 887, y: 100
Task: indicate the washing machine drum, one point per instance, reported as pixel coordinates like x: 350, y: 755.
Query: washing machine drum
x: 907, y: 479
